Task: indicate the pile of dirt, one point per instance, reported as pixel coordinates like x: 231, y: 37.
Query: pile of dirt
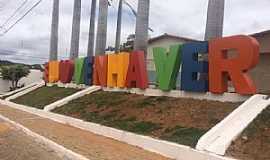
x: 254, y: 142
x: 179, y: 120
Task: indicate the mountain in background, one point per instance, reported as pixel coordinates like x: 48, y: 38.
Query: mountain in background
x: 8, y: 63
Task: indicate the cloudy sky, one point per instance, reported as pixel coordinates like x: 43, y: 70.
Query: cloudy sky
x: 28, y: 41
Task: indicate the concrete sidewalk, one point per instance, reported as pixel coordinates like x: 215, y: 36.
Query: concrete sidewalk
x: 82, y: 142
x: 16, y: 145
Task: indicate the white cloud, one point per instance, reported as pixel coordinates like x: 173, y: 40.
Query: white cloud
x: 29, y: 40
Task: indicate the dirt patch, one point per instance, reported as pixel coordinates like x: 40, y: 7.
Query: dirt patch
x: 254, y: 142
x: 43, y: 96
x: 175, y: 119
x: 15, y: 145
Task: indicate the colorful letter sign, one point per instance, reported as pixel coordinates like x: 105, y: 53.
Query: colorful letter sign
x: 100, y: 70
x: 53, y: 71
x: 46, y: 72
x: 193, y: 69
x: 167, y: 66
x: 79, y: 77
x: 229, y: 59
x: 137, y: 74
x: 88, y: 70
x: 220, y: 65
x: 117, y: 69
x: 66, y: 71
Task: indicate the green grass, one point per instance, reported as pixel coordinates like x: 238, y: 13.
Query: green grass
x: 102, y: 108
x: 183, y: 135
x: 44, y: 96
x: 149, y: 101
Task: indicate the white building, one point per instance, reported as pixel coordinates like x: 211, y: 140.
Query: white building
x: 164, y: 41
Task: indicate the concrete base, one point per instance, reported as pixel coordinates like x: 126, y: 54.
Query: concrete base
x: 25, y: 91
x: 219, y: 138
x: 226, y: 97
x: 71, y: 97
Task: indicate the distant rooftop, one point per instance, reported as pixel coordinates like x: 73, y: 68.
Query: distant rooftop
x: 260, y: 34
x: 170, y: 36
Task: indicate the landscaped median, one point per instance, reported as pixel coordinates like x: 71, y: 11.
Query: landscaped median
x: 43, y: 96
x: 177, y: 120
x: 254, y: 142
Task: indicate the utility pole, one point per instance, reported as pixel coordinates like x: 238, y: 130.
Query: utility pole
x: 102, y: 27
x: 91, y: 38
x: 142, y: 25
x: 75, y: 37
x: 119, y: 26
x: 54, y: 31
x: 215, y: 17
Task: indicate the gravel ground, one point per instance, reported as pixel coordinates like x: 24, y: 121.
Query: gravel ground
x: 15, y: 145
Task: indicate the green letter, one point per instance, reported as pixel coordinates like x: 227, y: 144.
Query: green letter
x: 79, y: 79
x: 167, y: 66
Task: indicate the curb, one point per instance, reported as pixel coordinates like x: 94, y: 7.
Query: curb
x: 18, y: 90
x: 226, y: 97
x: 25, y: 91
x: 60, y: 150
x: 218, y: 139
x: 65, y: 100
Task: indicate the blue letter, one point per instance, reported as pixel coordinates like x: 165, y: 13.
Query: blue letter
x: 88, y: 70
x: 194, y: 70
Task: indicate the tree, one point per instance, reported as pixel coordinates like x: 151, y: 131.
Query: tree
x: 54, y: 31
x: 91, y: 38
x: 215, y: 16
x: 142, y: 25
x: 75, y: 35
x: 102, y: 27
x: 14, y: 73
x: 118, y: 28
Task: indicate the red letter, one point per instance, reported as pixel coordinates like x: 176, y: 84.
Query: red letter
x: 100, y: 70
x: 66, y: 71
x: 247, y: 49
x: 46, y: 72
x: 137, y: 74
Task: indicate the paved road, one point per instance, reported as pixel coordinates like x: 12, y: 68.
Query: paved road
x: 83, y: 142
x: 15, y: 145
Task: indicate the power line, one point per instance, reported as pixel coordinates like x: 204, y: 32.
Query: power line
x: 34, y: 6
x: 4, y: 5
x: 14, y: 13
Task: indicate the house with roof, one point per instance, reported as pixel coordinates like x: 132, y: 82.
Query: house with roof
x: 165, y: 41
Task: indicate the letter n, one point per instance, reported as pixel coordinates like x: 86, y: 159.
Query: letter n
x: 100, y: 70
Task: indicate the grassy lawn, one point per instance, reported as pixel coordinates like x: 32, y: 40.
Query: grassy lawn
x: 178, y: 120
x: 256, y: 134
x: 44, y: 96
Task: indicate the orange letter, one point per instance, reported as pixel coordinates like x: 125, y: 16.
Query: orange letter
x: 220, y: 65
x: 100, y: 70
x: 117, y: 69
x: 53, y: 71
